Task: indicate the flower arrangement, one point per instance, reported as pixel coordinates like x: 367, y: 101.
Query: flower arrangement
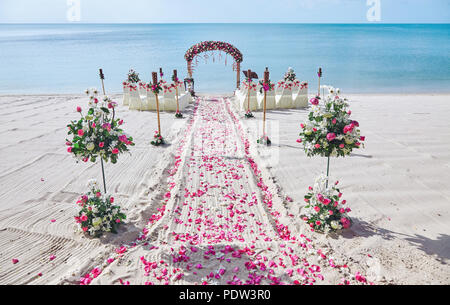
x: 158, y: 139
x: 249, y: 114
x: 97, y: 133
x: 133, y: 76
x: 329, y: 131
x: 98, y: 214
x: 264, y: 140
x: 266, y: 86
x: 324, y: 210
x: 211, y: 46
x: 248, y: 84
x: 178, y: 114
x: 289, y: 75
x: 168, y: 88
x: 157, y: 88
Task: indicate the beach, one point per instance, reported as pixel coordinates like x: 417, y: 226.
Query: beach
x: 396, y: 187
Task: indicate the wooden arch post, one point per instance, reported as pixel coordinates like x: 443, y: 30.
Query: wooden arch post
x: 189, y: 68
x: 238, y: 75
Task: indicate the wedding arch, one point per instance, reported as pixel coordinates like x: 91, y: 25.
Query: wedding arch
x: 204, y: 46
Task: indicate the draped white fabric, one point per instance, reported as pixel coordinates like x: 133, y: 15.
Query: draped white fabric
x: 126, y: 94
x: 285, y: 99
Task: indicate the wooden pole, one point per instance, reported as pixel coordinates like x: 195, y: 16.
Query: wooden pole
x: 238, y: 75
x: 189, y: 67
x: 320, y: 75
x: 248, y: 93
x: 266, y: 81
x: 102, y: 77
x: 175, y: 77
x: 155, y: 83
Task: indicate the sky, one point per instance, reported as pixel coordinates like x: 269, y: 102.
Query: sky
x: 231, y: 11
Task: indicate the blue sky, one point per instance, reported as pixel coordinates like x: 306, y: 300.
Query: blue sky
x: 178, y: 11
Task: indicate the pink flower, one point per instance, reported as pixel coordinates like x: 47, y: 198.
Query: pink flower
x: 15, y: 260
x: 345, y: 223
x: 52, y: 257
x: 314, y: 101
x: 78, y: 109
x: 317, y: 209
x: 118, y: 220
x: 331, y: 136
x: 83, y: 217
x: 115, y: 151
x: 318, y: 223
x: 98, y: 194
x: 85, y: 229
x: 111, y: 199
x: 362, y: 138
x: 302, y: 125
x: 101, y: 144
x: 299, y: 140
x: 317, y: 146
x: 120, y: 122
x: 334, y: 121
x: 341, y: 145
x: 330, y: 212
x: 69, y: 149
x: 80, y: 132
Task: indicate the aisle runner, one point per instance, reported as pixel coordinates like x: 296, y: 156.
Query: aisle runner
x: 216, y: 224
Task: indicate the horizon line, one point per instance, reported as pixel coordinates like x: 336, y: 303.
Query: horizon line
x: 334, y: 23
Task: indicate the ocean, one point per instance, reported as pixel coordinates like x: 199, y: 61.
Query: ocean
x: 358, y: 58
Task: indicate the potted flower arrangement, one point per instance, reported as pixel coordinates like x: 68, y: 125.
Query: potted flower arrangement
x: 157, y: 139
x: 325, y: 211
x: 289, y: 76
x: 97, y: 133
x: 264, y: 140
x: 329, y: 131
x: 133, y: 76
x: 98, y: 213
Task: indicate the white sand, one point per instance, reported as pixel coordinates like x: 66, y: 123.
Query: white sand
x: 397, y: 188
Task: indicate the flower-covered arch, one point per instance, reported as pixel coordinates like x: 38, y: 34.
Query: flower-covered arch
x: 213, y: 46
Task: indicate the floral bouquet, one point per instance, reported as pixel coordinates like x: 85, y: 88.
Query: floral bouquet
x: 158, y: 139
x: 97, y: 133
x: 249, y: 114
x: 133, y: 76
x: 156, y: 89
x: 98, y: 214
x: 264, y: 140
x: 178, y: 114
x: 324, y: 210
x: 266, y: 86
x: 289, y: 75
x: 329, y: 131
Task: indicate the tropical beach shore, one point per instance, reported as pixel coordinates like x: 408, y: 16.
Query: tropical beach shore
x: 397, y: 188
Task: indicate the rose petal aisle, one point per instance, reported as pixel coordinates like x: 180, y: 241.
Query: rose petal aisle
x: 216, y: 222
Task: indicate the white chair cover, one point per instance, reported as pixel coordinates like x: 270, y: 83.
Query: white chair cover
x: 126, y: 94
x: 150, y: 102
x: 135, y: 99
x: 142, y: 88
x: 301, y: 96
x: 279, y: 87
x: 253, y: 99
x: 170, y: 102
x: 285, y: 100
x: 270, y: 100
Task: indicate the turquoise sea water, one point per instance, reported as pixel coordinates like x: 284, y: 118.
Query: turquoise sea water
x: 64, y: 58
